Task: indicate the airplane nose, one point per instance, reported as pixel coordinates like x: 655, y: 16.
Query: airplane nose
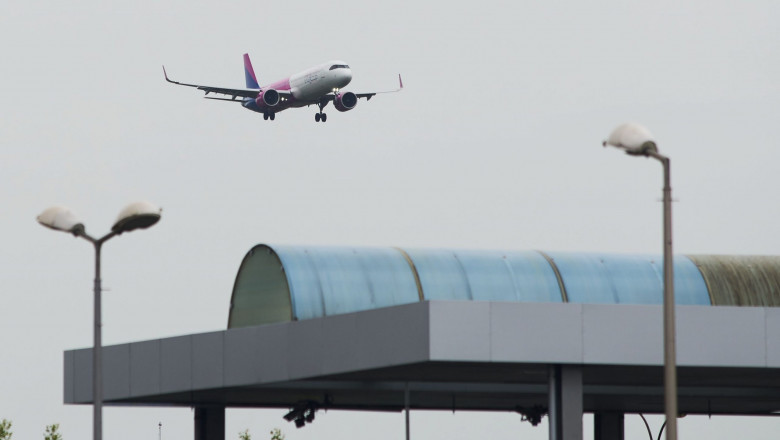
x: 346, y: 76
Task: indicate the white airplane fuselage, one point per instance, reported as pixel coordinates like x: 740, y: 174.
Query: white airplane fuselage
x: 311, y: 84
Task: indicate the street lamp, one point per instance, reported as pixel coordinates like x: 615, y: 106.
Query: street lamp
x: 139, y: 215
x: 636, y: 140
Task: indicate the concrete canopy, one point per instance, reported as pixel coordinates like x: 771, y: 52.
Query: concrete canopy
x: 460, y: 355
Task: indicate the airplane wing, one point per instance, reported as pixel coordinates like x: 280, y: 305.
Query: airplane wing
x: 368, y: 96
x: 233, y: 93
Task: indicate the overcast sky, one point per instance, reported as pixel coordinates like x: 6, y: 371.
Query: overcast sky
x: 494, y: 143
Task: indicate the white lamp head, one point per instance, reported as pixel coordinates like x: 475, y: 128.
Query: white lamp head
x: 633, y: 138
x: 61, y: 218
x: 138, y: 215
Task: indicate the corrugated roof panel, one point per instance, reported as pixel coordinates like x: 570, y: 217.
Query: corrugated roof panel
x: 690, y: 287
x: 534, y: 277
x: 303, y: 279
x: 627, y: 279
x: 485, y: 275
x: 509, y: 276
x: 741, y: 280
x: 441, y: 274
x: 585, y: 278
x: 327, y: 281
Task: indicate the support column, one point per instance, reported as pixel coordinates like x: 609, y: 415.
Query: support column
x: 608, y: 426
x: 565, y: 395
x: 406, y: 408
x: 209, y: 423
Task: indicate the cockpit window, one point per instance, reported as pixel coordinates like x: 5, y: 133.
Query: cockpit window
x: 338, y: 66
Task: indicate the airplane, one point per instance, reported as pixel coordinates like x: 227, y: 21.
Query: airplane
x: 318, y: 86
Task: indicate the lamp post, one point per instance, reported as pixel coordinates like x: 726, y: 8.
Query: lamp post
x: 636, y: 140
x: 139, y: 215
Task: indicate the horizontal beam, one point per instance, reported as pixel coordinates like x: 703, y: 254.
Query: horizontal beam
x: 454, y: 355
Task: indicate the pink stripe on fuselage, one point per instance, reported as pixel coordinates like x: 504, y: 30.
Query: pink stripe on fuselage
x: 279, y: 85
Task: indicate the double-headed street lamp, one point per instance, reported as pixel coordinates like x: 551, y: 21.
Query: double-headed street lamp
x: 139, y: 215
x: 637, y: 141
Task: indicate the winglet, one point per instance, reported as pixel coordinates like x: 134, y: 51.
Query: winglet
x: 176, y: 82
x: 400, y: 82
x: 172, y: 81
x: 249, y: 73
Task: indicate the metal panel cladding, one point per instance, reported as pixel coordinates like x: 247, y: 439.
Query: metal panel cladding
x: 332, y: 280
x: 627, y: 279
x: 485, y: 275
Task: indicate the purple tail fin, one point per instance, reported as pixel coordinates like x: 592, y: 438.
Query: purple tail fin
x: 249, y: 72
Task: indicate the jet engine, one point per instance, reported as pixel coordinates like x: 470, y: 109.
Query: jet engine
x: 345, y: 101
x: 267, y: 98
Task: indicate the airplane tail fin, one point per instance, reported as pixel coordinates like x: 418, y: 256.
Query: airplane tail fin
x: 249, y: 73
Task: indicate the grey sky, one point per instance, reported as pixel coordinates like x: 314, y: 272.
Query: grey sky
x: 495, y: 143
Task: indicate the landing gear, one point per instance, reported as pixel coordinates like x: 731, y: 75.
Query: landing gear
x: 269, y: 115
x: 321, y: 116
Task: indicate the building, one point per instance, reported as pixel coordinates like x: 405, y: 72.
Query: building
x: 531, y: 332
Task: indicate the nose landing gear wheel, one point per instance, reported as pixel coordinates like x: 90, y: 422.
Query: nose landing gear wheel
x: 317, y: 117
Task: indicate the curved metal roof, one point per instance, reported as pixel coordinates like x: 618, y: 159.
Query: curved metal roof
x: 627, y: 279
x: 285, y: 283
x: 484, y: 275
x: 741, y: 280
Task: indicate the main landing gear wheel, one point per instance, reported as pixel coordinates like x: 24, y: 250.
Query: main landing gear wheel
x: 269, y: 115
x: 321, y: 116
